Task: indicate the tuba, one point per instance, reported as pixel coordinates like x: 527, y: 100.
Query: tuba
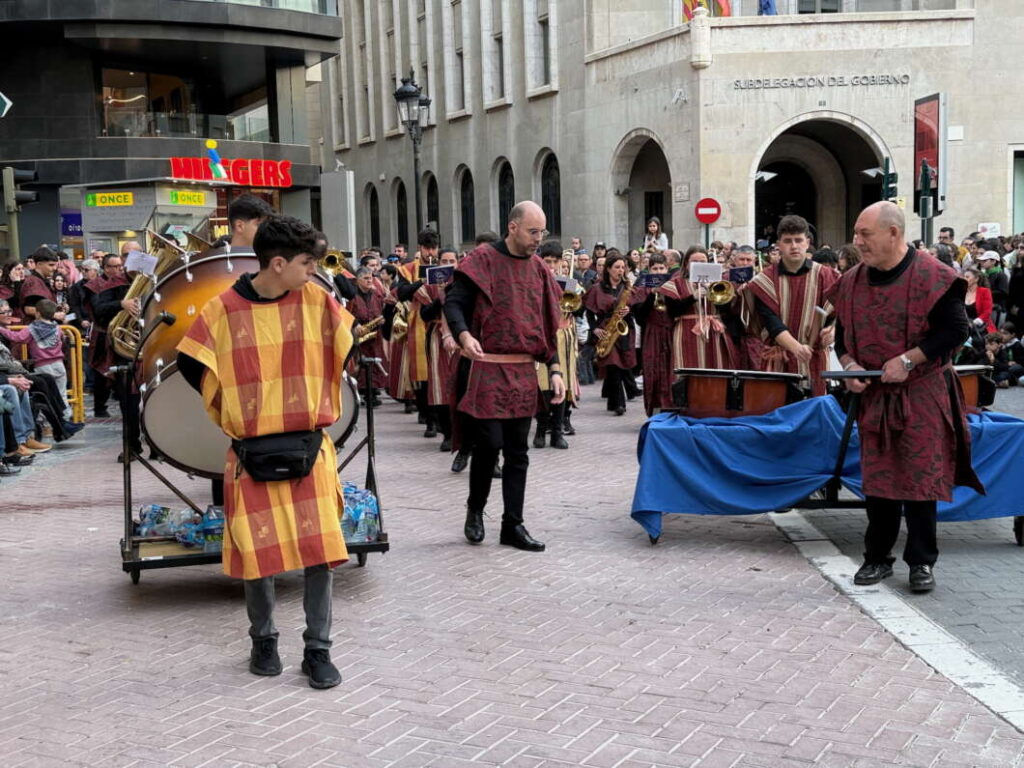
x: 124, y: 330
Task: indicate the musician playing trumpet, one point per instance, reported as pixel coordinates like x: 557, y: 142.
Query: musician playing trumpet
x: 699, y: 337
x: 612, y: 329
x: 657, y: 326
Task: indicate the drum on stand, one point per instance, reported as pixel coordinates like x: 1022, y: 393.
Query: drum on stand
x: 979, y: 389
x: 706, y: 393
x: 174, y: 420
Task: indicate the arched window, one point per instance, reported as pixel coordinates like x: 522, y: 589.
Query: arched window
x: 433, y: 203
x: 401, y: 212
x: 551, y: 193
x: 373, y: 204
x: 467, y: 206
x: 506, y: 195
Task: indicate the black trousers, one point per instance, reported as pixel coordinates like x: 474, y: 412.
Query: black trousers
x: 884, y: 517
x: 441, y: 416
x: 614, y: 388
x: 129, y: 403
x: 509, y: 436
x: 100, y: 391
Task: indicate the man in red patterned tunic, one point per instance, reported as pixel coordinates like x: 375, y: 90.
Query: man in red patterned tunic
x: 790, y: 299
x: 503, y: 308
x: 904, y: 314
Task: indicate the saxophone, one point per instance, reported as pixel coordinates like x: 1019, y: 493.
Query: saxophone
x: 615, y: 327
x: 368, y: 331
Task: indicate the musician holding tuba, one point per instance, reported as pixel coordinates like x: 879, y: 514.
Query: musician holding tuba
x: 612, y: 330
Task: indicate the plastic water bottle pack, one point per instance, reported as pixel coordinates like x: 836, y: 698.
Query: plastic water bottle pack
x: 360, y: 520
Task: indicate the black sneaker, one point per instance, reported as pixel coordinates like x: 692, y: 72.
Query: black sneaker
x: 263, y: 660
x: 316, y: 663
x: 921, y: 578
x: 872, y: 573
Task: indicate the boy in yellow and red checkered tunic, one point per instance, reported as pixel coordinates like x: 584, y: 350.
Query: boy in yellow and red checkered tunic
x: 267, y: 356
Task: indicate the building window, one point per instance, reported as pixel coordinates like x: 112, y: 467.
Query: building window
x: 363, y: 71
x: 339, y: 91
x: 456, y: 56
x: 540, y: 33
x: 433, y: 204
x: 506, y: 194
x: 373, y: 209
x: 422, y: 54
x: 551, y: 193
x: 493, y: 22
x: 467, y: 207
x: 401, y: 212
x: 390, y: 65
x: 150, y: 104
x: 818, y: 6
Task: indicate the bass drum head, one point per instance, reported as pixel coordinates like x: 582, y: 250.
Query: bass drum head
x: 176, y: 425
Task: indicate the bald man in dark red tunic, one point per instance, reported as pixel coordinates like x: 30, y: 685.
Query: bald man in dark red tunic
x: 903, y: 313
x: 502, y: 306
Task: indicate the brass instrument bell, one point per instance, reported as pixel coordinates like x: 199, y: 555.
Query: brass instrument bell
x: 721, y: 292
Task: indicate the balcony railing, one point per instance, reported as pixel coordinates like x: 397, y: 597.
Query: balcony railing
x: 325, y: 7
x: 246, y: 127
x: 791, y: 7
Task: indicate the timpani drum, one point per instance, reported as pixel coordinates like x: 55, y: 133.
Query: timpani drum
x: 979, y: 389
x: 706, y: 393
x: 174, y: 420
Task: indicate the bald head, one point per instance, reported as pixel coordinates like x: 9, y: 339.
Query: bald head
x: 880, y: 235
x: 526, y: 228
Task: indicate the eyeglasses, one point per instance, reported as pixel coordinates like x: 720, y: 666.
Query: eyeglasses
x: 538, y: 233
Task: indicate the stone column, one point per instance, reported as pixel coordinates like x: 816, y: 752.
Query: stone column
x: 700, y: 39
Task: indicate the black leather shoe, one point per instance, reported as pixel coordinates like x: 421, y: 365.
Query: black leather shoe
x: 474, y: 529
x: 921, y: 578
x: 538, y: 438
x: 408, y: 407
x: 619, y: 411
x: 520, y: 538
x: 446, y: 445
x: 15, y: 460
x: 567, y: 427
x: 557, y: 441
x: 6, y: 470
x: 316, y: 663
x: 264, y: 659
x: 421, y: 418
x: 430, y: 431
x: 460, y: 462
x: 872, y: 573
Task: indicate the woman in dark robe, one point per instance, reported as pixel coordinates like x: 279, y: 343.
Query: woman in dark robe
x: 601, y: 301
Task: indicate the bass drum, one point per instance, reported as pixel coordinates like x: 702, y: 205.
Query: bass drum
x: 176, y: 425
x: 174, y: 420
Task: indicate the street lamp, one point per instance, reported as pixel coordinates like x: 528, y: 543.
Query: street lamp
x: 413, y: 108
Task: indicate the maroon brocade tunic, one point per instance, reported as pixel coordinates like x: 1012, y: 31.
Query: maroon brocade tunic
x: 794, y: 298
x: 516, y: 312
x: 656, y: 354
x: 101, y: 353
x: 914, y: 441
x: 366, y: 307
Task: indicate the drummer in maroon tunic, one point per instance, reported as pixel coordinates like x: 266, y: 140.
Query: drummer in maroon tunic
x: 788, y: 296
x: 503, y: 308
x: 903, y: 313
x: 367, y: 305
x: 655, y: 341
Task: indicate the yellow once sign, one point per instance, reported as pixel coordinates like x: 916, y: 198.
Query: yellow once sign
x: 183, y: 197
x: 109, y: 199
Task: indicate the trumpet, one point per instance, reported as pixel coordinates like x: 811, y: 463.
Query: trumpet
x: 721, y: 292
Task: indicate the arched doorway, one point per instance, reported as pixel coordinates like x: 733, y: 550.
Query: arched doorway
x: 641, y: 181
x: 401, y: 229
x: 819, y: 167
x: 373, y: 214
x: 433, y: 203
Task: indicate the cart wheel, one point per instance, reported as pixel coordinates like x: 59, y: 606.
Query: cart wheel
x: 361, y: 559
x: 654, y: 539
x: 1018, y: 530
x: 135, y: 573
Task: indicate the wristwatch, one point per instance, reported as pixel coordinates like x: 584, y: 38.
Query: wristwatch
x: 908, y: 364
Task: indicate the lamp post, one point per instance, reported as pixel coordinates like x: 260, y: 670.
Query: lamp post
x: 412, y: 113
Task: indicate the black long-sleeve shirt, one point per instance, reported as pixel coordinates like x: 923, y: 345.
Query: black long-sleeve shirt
x: 460, y: 298
x: 948, y: 325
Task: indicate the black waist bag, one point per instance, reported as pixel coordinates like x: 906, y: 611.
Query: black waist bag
x: 285, y: 456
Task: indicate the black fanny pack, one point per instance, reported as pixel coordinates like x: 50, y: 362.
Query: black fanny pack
x: 285, y: 456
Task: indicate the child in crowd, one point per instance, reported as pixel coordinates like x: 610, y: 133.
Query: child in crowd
x: 1003, y: 351
x: 45, y: 342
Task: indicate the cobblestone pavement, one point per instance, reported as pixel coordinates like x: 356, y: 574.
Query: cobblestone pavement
x: 979, y: 596
x: 721, y: 646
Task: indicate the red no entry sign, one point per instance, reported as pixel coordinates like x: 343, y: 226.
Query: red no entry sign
x: 708, y: 210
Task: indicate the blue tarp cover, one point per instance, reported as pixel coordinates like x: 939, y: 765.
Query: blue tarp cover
x: 757, y: 464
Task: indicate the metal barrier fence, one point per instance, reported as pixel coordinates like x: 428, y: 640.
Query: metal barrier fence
x: 74, y: 363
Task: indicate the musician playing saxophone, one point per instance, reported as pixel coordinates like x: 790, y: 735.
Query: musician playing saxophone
x: 608, y: 303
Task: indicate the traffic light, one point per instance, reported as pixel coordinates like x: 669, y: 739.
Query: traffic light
x: 889, y: 186
x: 14, y: 198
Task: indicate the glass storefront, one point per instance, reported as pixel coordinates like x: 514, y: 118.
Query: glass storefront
x: 326, y: 7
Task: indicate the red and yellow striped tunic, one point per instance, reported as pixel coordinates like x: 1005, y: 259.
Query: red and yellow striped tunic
x: 275, y: 367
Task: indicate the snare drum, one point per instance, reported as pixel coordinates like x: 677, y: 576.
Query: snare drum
x: 705, y: 393
x: 979, y: 389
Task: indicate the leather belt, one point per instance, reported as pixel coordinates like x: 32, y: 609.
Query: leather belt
x: 489, y: 357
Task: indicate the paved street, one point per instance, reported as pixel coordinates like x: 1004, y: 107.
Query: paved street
x: 980, y: 574
x: 721, y: 646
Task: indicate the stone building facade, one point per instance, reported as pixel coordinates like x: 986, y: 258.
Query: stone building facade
x: 610, y: 111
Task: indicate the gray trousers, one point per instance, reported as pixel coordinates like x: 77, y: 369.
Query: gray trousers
x: 316, y: 600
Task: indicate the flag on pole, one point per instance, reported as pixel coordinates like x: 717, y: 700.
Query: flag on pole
x: 714, y: 7
x: 768, y: 8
